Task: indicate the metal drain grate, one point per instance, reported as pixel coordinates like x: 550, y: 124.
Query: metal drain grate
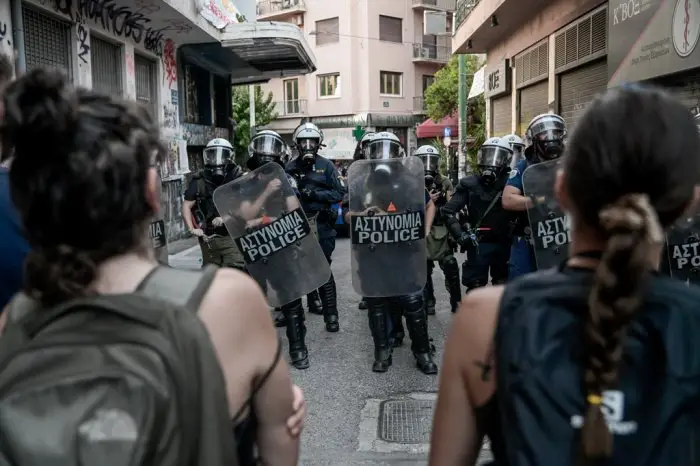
x: 406, y: 421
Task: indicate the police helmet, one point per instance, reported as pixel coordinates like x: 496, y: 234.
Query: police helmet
x: 546, y: 135
x: 362, y: 145
x: 384, y: 145
x: 266, y: 146
x: 218, y: 153
x: 308, y: 139
x: 430, y: 157
x: 516, y: 143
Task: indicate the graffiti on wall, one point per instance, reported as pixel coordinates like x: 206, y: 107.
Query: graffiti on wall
x: 200, y: 135
x: 82, y: 36
x: 170, y: 117
x: 169, y: 63
x: 172, y: 197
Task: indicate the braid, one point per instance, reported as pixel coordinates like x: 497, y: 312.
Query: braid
x: 633, y: 230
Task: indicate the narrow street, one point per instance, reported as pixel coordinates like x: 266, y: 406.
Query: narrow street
x: 355, y: 416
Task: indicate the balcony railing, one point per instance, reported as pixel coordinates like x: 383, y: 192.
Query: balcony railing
x: 431, y: 52
x: 448, y: 5
x: 265, y: 7
x: 464, y: 9
x: 290, y: 107
x: 419, y: 104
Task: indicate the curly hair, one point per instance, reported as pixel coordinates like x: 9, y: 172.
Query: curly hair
x: 78, y: 179
x: 643, y: 146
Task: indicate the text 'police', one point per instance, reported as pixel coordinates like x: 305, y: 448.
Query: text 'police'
x: 387, y: 229
x: 273, y: 237
x: 554, y: 232
x: 686, y: 255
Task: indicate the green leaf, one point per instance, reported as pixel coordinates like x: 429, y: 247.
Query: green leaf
x: 264, y: 113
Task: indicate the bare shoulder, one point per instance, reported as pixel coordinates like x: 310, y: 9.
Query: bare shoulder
x: 479, y: 310
x: 234, y: 294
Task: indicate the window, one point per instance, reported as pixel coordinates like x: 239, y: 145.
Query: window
x: 106, y: 66
x: 427, y: 81
x: 390, y: 29
x: 291, y: 97
x: 329, y: 85
x: 146, y: 73
x: 47, y: 41
x: 390, y: 83
x: 327, y: 31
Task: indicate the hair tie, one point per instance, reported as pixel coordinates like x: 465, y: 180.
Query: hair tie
x: 594, y: 400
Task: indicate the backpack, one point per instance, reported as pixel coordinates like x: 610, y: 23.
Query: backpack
x: 127, y: 379
x: 653, y: 411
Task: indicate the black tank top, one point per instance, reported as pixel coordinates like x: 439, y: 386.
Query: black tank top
x: 653, y: 413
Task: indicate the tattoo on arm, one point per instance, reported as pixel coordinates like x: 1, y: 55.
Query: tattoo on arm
x: 486, y: 365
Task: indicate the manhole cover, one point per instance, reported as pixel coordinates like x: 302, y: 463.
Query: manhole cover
x: 406, y: 421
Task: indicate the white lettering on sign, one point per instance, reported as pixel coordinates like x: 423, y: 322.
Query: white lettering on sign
x: 626, y: 10
x: 274, y: 237
x: 157, y: 230
x: 387, y: 229
x: 494, y: 80
x: 686, y: 255
x: 554, y: 232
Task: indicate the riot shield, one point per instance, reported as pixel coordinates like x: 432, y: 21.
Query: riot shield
x: 387, y: 226
x: 682, y: 260
x: 265, y: 219
x: 159, y: 239
x: 549, y: 225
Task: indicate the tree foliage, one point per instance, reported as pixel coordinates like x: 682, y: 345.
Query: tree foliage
x: 265, y: 112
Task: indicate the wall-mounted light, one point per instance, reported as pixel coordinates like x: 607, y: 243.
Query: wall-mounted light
x: 494, y: 21
x: 469, y: 44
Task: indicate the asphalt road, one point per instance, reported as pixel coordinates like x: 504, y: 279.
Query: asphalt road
x: 348, y: 420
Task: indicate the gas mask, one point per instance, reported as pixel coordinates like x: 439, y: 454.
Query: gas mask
x: 548, y: 149
x: 265, y: 148
x: 308, y: 149
x: 546, y: 136
x: 431, y: 165
x: 217, y: 161
x: 258, y: 160
x: 491, y: 159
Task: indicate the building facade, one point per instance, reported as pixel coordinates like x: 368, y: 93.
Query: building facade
x: 556, y: 56
x: 374, y: 66
x: 136, y: 50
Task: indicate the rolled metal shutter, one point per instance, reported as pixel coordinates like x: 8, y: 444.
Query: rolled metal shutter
x: 578, y: 88
x: 533, y: 102
x: 501, y: 116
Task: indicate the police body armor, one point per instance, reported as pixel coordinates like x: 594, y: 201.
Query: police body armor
x: 493, y: 223
x: 205, y: 210
x: 277, y: 242
x: 549, y: 224
x: 387, y: 211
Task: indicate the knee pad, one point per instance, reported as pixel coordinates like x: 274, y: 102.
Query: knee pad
x: 412, y: 303
x: 450, y: 263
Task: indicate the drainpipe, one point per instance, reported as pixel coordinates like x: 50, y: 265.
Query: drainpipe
x: 18, y: 36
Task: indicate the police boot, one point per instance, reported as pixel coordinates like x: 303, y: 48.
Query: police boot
x: 429, y: 292
x: 417, y: 324
x: 314, y: 304
x: 450, y: 268
x: 362, y: 304
x: 330, y: 305
x: 378, y: 320
x: 296, y: 333
x: 397, y: 333
x: 281, y: 319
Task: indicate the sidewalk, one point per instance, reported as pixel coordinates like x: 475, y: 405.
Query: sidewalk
x: 178, y: 246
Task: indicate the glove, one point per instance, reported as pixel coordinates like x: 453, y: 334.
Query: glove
x: 307, y: 194
x: 217, y: 222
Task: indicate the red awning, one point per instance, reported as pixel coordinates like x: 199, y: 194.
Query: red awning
x: 431, y: 129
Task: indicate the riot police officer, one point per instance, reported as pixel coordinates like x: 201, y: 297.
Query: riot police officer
x: 545, y: 138
x: 269, y: 147
x: 359, y: 155
x: 199, y: 212
x: 486, y: 236
x: 320, y: 186
x: 518, y: 146
x: 440, y: 247
x: 382, y: 146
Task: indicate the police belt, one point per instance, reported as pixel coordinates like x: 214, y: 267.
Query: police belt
x: 491, y: 235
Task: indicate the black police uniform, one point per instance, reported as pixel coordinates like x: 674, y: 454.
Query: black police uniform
x: 447, y: 261
x: 320, y: 187
x: 490, y: 252
x: 221, y: 251
x: 385, y: 314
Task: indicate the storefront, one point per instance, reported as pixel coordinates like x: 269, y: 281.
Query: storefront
x: 580, y: 64
x: 498, y: 91
x: 531, y: 81
x: 657, y: 44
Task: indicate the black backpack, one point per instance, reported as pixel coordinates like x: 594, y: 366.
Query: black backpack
x: 653, y: 411
x: 128, y: 379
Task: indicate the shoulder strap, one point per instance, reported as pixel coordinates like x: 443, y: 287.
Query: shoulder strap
x: 182, y: 287
x: 201, y: 187
x: 488, y: 209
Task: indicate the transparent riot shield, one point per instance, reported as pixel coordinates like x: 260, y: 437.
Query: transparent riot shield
x: 265, y: 219
x: 550, y: 226
x: 682, y: 260
x: 387, y: 226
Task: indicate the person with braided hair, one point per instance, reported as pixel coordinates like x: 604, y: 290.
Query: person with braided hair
x: 594, y: 361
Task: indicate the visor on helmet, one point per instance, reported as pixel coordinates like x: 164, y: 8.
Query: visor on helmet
x: 493, y: 157
x: 548, y: 129
x: 217, y: 156
x: 267, y: 145
x: 309, y: 145
x: 384, y: 149
x: 431, y: 162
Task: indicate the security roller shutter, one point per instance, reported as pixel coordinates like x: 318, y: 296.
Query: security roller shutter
x: 501, y: 115
x: 533, y: 102
x: 578, y: 88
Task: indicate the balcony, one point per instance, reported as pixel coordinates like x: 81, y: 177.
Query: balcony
x: 419, y: 107
x: 291, y: 108
x: 278, y: 10
x: 475, y: 30
x: 440, y: 5
x: 431, y: 53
